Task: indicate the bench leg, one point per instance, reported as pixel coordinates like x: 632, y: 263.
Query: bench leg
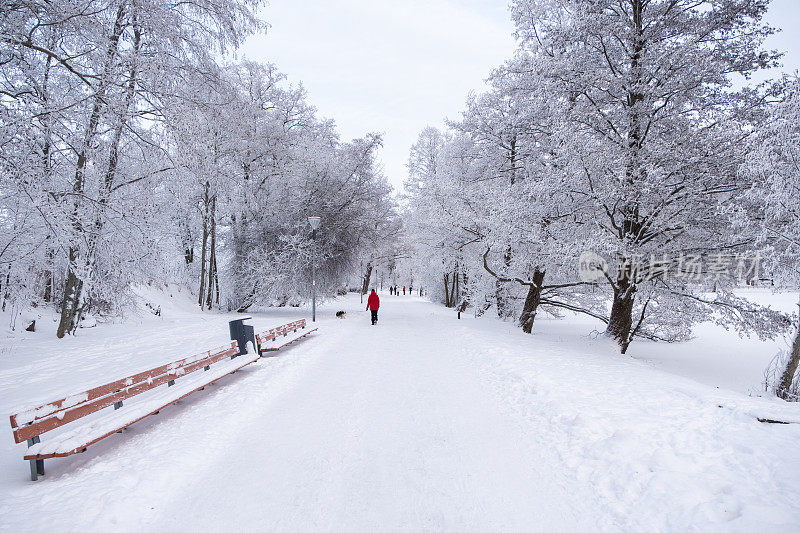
x: 118, y: 405
x: 37, y: 465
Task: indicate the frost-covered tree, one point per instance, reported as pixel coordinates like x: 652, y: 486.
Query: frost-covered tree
x: 440, y: 222
x: 615, y: 129
x: 84, y: 85
x: 770, y: 210
x: 652, y: 131
x: 524, y: 203
x: 499, y: 130
x: 259, y: 163
x: 133, y: 153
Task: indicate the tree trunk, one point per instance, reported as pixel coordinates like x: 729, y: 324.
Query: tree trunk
x: 188, y: 241
x: 48, y: 286
x: 72, y: 294
x: 501, y: 289
x: 447, y: 302
x: 212, y: 259
x: 242, y: 298
x: 512, y: 158
x: 457, y: 277
x: 203, y: 258
x: 4, y: 288
x: 787, y: 378
x: 216, y: 280
x: 367, y: 277
x: 453, y: 285
x: 621, y: 319
x: 90, y: 259
x: 47, y: 165
x: 48, y: 273
x: 532, y: 301
x: 72, y: 285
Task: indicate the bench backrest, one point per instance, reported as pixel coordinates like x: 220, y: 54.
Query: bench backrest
x: 272, y: 334
x: 33, y: 422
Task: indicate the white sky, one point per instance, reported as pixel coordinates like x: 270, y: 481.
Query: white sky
x: 395, y: 67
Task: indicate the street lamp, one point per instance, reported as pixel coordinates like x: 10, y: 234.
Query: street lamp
x: 314, y: 221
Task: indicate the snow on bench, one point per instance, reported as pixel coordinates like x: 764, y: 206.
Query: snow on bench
x: 180, y: 376
x: 262, y: 339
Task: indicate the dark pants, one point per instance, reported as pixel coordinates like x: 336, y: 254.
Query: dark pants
x: 374, y: 316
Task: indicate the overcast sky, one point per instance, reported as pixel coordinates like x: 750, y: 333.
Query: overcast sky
x: 396, y: 67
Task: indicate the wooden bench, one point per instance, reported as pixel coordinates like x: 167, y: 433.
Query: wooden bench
x: 182, y: 378
x: 268, y: 340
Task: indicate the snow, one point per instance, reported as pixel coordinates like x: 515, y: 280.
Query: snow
x: 422, y: 422
x: 723, y: 359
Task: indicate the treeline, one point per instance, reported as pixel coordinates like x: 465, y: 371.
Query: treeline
x: 133, y: 152
x: 611, y: 170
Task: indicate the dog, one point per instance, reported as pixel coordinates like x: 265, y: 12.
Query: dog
x: 341, y: 314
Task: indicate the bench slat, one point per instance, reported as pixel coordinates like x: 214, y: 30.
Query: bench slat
x: 116, y: 391
x: 276, y: 348
x: 51, y: 408
x: 84, y: 436
x: 262, y: 338
x: 274, y: 333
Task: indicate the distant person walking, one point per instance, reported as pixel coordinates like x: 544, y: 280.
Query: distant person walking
x: 373, y: 303
x: 404, y: 290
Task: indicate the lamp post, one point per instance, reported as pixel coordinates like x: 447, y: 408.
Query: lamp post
x: 314, y: 221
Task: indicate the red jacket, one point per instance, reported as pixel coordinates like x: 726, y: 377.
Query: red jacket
x: 373, y: 302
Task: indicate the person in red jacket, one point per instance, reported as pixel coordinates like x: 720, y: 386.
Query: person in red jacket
x: 373, y: 302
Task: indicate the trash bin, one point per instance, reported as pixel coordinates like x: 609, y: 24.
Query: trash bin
x: 242, y: 333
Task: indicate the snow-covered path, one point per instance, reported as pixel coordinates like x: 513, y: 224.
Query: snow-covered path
x: 384, y: 430
x: 427, y: 423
